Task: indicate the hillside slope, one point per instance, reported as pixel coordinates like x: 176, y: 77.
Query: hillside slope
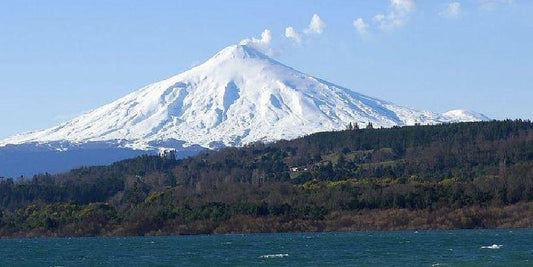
x: 463, y: 175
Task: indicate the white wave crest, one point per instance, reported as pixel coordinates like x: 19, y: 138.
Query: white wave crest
x: 270, y: 256
x: 493, y: 246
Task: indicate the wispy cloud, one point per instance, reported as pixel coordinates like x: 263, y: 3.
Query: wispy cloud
x: 452, y: 10
x: 361, y: 26
x: 316, y: 26
x: 291, y: 33
x: 399, y: 13
x: 403, y: 5
x: 263, y: 44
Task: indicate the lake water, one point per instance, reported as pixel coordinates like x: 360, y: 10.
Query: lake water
x: 399, y: 248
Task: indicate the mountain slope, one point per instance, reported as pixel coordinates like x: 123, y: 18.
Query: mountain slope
x: 238, y: 96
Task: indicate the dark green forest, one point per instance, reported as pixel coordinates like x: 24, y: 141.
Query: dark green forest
x: 459, y: 175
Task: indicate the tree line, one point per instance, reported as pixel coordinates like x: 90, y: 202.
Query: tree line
x: 323, y: 181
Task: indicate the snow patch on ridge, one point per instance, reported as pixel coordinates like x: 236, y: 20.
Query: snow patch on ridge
x: 459, y: 115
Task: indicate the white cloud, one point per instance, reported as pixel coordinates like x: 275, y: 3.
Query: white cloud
x: 361, y: 26
x: 262, y: 44
x: 399, y: 13
x: 291, y: 33
x: 452, y: 10
x: 316, y: 25
x: 403, y: 5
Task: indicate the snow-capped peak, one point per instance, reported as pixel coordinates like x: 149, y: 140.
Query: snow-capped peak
x: 458, y: 115
x: 238, y: 52
x: 238, y: 96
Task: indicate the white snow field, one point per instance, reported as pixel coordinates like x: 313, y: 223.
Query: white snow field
x: 237, y: 97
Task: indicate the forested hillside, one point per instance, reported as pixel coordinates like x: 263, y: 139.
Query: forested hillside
x: 462, y: 175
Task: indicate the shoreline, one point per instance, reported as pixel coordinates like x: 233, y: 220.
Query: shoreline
x: 516, y: 216
x: 268, y: 233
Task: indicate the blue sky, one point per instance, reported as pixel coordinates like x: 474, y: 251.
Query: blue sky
x: 61, y: 58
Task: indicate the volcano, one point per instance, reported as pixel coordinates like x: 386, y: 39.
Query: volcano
x: 238, y: 96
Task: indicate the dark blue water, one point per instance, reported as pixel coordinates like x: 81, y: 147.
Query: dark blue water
x: 401, y: 248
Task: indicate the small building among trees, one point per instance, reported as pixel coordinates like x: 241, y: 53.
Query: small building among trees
x: 167, y: 154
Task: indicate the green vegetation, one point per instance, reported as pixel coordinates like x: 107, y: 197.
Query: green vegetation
x: 464, y: 175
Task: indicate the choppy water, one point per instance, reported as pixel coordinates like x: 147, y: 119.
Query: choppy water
x: 400, y: 248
